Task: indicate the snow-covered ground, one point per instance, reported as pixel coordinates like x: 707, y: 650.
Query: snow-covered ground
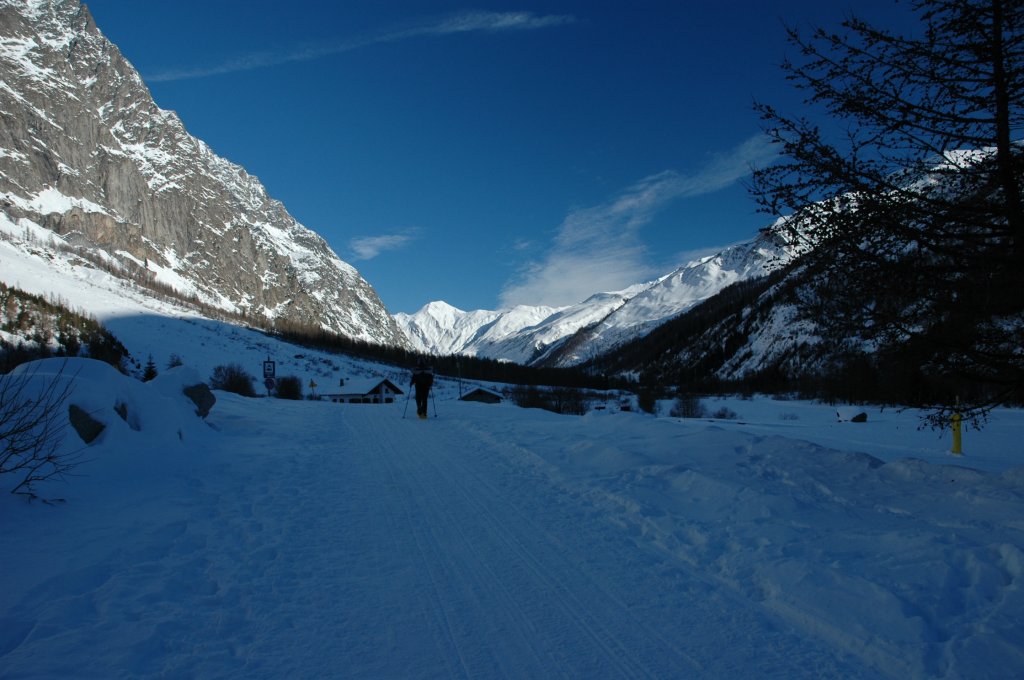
x: 308, y: 539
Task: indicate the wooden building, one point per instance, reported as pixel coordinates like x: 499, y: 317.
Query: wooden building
x: 365, y: 391
x: 482, y: 395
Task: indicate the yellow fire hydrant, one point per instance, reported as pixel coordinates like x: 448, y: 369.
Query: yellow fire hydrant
x: 957, y: 434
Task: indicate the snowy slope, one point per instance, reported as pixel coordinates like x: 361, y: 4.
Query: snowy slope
x: 309, y: 539
x: 684, y: 288
x: 541, y: 335
x: 149, y: 326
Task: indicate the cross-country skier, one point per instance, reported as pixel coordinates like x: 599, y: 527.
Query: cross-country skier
x: 422, y: 380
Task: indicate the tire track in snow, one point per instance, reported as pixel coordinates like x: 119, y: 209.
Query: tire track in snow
x: 429, y: 558
x: 624, y: 660
x: 614, y: 606
x: 510, y: 577
x: 715, y: 625
x: 423, y: 524
x: 524, y: 629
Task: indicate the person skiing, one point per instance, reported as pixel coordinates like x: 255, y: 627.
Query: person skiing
x: 422, y: 380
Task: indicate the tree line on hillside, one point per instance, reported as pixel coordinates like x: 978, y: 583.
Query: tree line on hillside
x: 455, y: 366
x: 688, y: 355
x: 47, y: 328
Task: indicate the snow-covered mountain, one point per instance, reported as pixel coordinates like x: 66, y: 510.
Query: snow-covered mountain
x: 86, y: 153
x: 567, y: 336
x: 514, y: 334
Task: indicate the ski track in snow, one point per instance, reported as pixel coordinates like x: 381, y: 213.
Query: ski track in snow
x: 316, y: 540
x: 456, y: 557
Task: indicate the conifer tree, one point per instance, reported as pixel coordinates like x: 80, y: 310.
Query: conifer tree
x: 906, y: 194
x: 150, y: 371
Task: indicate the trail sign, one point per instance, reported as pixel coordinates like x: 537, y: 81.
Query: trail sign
x: 269, y: 369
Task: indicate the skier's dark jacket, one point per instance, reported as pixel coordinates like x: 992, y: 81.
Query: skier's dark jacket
x: 422, y: 379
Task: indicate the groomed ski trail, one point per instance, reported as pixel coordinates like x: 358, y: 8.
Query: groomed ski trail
x: 512, y: 575
x: 344, y: 541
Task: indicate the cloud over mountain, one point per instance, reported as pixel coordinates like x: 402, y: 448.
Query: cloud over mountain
x: 601, y: 248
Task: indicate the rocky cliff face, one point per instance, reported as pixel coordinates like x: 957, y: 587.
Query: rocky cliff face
x: 85, y: 152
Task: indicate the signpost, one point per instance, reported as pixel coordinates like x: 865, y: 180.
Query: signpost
x: 269, y: 371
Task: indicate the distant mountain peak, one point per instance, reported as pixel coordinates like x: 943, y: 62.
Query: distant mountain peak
x: 440, y: 307
x: 566, y: 336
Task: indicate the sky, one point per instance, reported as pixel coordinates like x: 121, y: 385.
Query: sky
x: 487, y: 153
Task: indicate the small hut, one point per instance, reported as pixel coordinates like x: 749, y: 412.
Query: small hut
x: 369, y: 391
x: 483, y: 396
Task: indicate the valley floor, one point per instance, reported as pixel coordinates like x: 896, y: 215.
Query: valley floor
x: 313, y: 540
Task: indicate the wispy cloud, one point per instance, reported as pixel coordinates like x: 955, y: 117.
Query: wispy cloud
x: 489, y: 22
x: 600, y: 249
x: 369, y: 247
x: 468, y: 22
x: 596, y: 249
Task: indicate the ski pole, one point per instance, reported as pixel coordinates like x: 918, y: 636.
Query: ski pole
x: 434, y: 402
x: 406, y: 404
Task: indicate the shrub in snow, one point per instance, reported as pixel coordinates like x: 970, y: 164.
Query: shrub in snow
x: 233, y: 378
x: 647, y: 399
x: 724, y: 414
x: 565, y: 400
x: 688, y: 406
x: 289, y: 387
x: 571, y: 402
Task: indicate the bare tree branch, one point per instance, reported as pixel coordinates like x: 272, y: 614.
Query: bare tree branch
x: 33, y: 419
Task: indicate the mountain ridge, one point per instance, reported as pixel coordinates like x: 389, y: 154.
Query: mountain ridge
x: 574, y: 334
x: 86, y: 153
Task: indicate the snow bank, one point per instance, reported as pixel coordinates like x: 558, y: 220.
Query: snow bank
x: 141, y: 422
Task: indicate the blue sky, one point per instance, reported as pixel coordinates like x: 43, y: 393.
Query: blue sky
x: 486, y: 153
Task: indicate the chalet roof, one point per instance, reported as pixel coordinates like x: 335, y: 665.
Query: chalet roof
x: 363, y: 386
x: 482, y: 394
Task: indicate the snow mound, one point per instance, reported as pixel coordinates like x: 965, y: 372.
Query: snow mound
x: 137, y: 418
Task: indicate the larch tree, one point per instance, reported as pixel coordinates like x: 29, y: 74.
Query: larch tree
x: 902, y: 182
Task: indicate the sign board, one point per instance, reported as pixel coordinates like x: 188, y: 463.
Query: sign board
x: 269, y: 369
x: 269, y: 383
